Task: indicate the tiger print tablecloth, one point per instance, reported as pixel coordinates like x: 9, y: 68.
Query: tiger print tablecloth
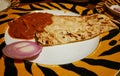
x: 104, y: 61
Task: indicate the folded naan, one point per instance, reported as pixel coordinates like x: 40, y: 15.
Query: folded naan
x: 67, y: 29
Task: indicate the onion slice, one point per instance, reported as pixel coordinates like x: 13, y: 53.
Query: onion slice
x: 22, y: 49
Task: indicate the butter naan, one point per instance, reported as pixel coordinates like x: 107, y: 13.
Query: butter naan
x: 67, y: 29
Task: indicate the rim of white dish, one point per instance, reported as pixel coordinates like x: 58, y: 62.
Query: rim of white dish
x: 4, y: 4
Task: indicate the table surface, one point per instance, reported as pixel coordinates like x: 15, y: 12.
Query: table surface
x: 90, y: 4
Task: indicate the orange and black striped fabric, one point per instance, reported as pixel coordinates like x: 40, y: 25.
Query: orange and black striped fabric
x: 104, y: 61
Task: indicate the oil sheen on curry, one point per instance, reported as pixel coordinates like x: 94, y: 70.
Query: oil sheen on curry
x: 26, y: 26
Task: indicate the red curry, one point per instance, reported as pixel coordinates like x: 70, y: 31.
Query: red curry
x: 26, y: 26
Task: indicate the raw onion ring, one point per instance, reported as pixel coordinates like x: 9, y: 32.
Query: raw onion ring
x: 22, y: 49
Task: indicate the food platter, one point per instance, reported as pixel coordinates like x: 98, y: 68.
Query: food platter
x: 104, y: 58
x: 60, y: 54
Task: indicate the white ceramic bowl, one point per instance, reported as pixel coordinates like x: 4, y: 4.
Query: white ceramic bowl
x: 62, y: 54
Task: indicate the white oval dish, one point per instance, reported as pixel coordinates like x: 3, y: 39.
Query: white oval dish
x: 62, y: 54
